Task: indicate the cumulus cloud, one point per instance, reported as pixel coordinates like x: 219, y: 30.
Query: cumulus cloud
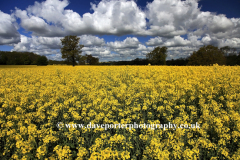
x: 50, y: 46
x: 96, y: 51
x: 176, y: 18
x: 130, y: 47
x: 37, y: 43
x: 89, y: 40
x: 233, y: 43
x: 171, y: 18
x: 37, y: 25
x: 166, y: 21
x: 220, y: 23
x: 8, y: 31
x: 154, y: 41
x: 109, y: 17
x: 50, y: 10
x: 177, y: 41
x: 127, y: 43
x: 194, y: 39
x: 206, y: 39
x: 121, y: 17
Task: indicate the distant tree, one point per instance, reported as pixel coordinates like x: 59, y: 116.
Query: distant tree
x: 82, y: 60
x: 26, y: 60
x: 177, y: 62
x: 207, y: 55
x: 92, y: 60
x: 228, y: 51
x: 139, y: 61
x: 158, y: 56
x: 3, y: 58
x: 42, y: 60
x: 238, y: 59
x: 51, y: 62
x: 18, y: 58
x: 230, y: 55
x: 71, y: 49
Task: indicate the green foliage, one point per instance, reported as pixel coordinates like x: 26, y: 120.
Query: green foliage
x: 158, y: 56
x: 42, y: 60
x: 92, y: 60
x: 229, y: 51
x: 207, y: 55
x: 82, y: 60
x: 18, y: 58
x: 71, y: 49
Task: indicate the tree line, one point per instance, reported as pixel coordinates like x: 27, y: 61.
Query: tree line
x: 22, y: 58
x: 71, y: 51
x: 82, y: 60
x: 206, y: 55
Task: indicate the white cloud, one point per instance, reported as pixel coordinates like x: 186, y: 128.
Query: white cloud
x: 219, y: 23
x: 38, y: 45
x: 176, y: 17
x: 117, y: 17
x: 206, y: 39
x: 50, y: 46
x: 109, y: 17
x: 89, y: 40
x: 171, y: 18
x: 127, y: 43
x: 50, y: 10
x: 121, y: 17
x: 154, y: 41
x: 130, y: 47
x: 98, y: 52
x: 8, y: 30
x: 233, y: 43
x: 37, y: 25
x: 176, y: 41
x: 168, y: 22
x: 142, y: 48
x: 47, y: 42
x: 194, y: 39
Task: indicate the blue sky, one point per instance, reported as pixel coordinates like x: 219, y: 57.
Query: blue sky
x: 119, y: 29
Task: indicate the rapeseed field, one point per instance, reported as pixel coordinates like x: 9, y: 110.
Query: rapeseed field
x: 33, y: 100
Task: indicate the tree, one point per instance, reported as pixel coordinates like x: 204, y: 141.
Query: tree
x: 207, y: 55
x: 229, y: 51
x: 82, y: 60
x: 158, y: 56
x: 18, y: 58
x: 42, y: 60
x: 71, y: 49
x: 92, y: 60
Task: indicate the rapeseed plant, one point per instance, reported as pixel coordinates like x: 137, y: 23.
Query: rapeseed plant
x: 34, y: 100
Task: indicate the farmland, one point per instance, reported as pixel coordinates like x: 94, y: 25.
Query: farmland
x: 34, y: 99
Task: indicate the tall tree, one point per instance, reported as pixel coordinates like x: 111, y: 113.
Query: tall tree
x: 158, y: 56
x: 71, y: 49
x: 207, y: 55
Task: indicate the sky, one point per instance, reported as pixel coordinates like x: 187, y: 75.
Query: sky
x: 119, y: 30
